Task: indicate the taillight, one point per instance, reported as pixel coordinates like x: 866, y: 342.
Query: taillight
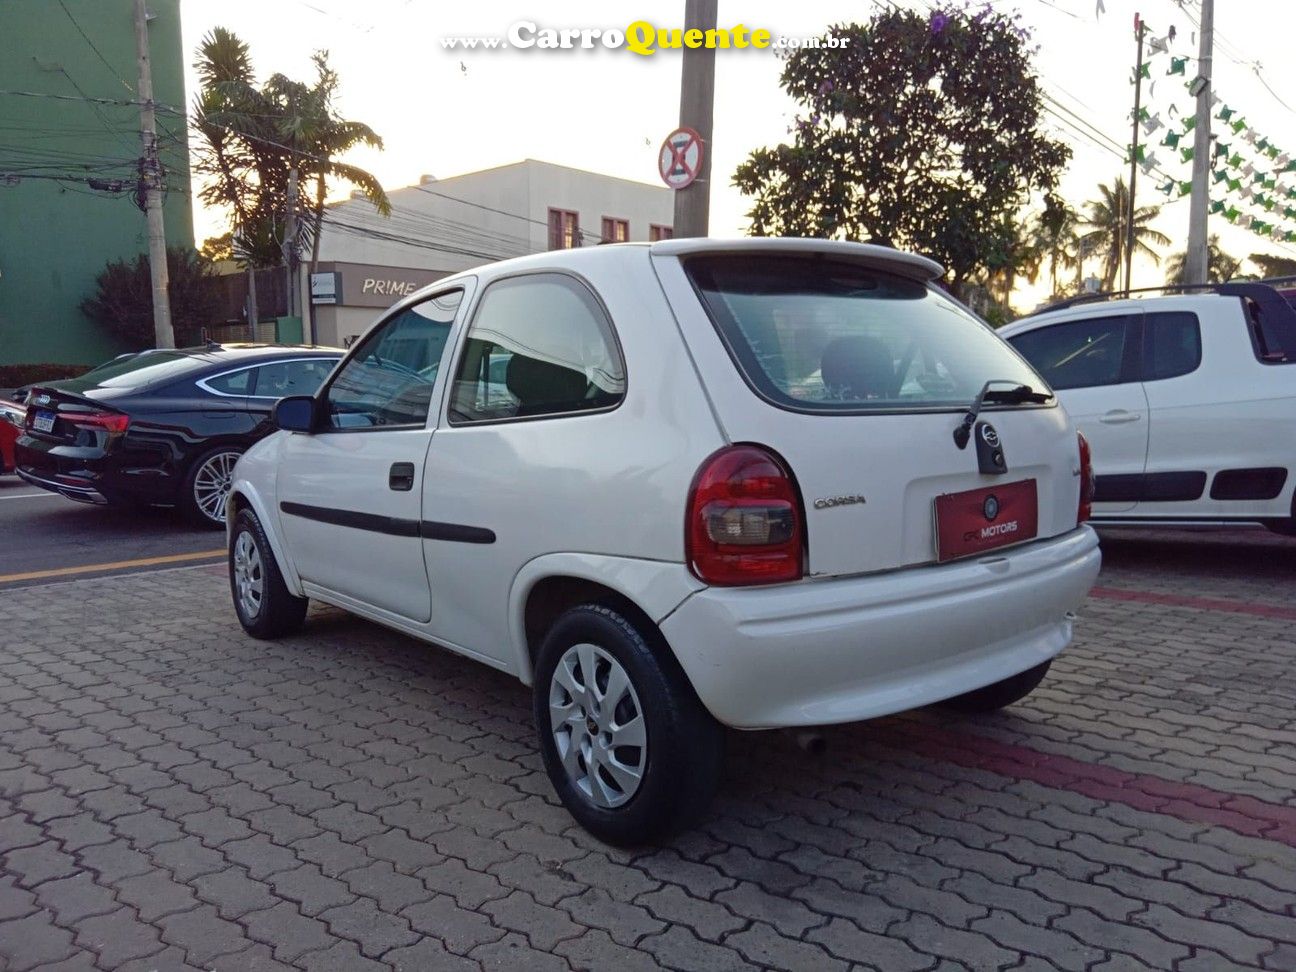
x: 744, y: 520
x: 112, y: 421
x: 1085, y: 510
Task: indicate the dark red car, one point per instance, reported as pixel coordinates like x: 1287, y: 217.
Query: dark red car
x: 11, y: 420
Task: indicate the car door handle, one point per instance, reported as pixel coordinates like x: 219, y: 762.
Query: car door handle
x: 401, y: 477
x: 1118, y: 416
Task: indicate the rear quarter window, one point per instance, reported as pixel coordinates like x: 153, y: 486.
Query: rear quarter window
x: 1173, y: 344
x: 810, y: 334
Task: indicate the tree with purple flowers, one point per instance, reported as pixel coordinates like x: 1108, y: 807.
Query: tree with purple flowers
x: 921, y: 132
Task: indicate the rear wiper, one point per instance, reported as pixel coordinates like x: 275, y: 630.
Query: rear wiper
x: 1017, y: 395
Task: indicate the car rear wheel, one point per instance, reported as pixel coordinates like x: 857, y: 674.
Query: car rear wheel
x: 265, y: 606
x: 997, y: 695
x: 207, y: 486
x: 629, y: 748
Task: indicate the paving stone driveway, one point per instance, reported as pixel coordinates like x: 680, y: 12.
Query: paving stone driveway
x: 175, y: 795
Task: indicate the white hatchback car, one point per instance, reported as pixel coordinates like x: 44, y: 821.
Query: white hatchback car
x: 679, y: 486
x: 1187, y: 400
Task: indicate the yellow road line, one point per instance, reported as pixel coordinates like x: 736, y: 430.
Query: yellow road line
x: 117, y: 565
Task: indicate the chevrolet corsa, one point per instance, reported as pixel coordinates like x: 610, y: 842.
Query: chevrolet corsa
x: 677, y: 487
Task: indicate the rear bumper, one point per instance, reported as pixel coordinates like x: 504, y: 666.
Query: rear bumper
x: 91, y: 476
x: 81, y: 493
x: 821, y: 652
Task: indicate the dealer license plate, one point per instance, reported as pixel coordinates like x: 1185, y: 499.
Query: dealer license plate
x: 982, y: 519
x: 44, y: 422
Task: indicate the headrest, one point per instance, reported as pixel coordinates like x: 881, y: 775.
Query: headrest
x: 536, y: 382
x: 858, y: 367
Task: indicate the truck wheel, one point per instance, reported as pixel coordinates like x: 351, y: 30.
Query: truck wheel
x: 629, y: 748
x: 262, y: 601
x: 997, y: 695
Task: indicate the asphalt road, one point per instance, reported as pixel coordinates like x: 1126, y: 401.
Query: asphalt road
x: 45, y: 538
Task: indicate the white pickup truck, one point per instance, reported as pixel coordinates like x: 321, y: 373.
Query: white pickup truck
x: 1188, y: 401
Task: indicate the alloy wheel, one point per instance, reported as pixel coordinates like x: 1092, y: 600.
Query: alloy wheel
x: 249, y: 575
x: 598, y: 725
x: 211, y: 485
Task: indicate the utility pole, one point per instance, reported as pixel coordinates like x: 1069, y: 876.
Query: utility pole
x: 151, y: 175
x: 290, y: 245
x: 1134, y: 145
x: 697, y: 111
x: 1196, y: 264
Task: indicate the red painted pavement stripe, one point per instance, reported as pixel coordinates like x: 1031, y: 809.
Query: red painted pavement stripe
x: 1187, y: 801
x: 1200, y: 603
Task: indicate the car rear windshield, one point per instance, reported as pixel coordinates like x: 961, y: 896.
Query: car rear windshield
x: 139, y: 370
x: 818, y: 335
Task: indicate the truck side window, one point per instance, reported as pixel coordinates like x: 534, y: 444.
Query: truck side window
x: 1077, y: 354
x: 1173, y: 344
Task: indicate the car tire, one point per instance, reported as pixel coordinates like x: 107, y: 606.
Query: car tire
x: 1284, y: 528
x: 262, y: 601
x: 997, y: 695
x: 623, y: 794
x: 206, y: 486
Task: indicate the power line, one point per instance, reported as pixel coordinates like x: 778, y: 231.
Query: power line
x: 99, y: 53
x: 85, y: 97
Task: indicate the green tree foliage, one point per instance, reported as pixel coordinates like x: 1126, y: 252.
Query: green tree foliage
x: 216, y: 248
x: 921, y: 132
x: 249, y: 138
x: 1104, y: 230
x: 1220, y: 267
x: 122, y: 302
x: 1272, y: 265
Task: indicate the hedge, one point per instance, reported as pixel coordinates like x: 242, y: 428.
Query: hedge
x: 15, y: 376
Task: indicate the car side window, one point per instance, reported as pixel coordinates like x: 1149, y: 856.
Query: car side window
x: 387, y: 382
x: 1173, y: 344
x: 280, y: 379
x: 1078, y: 354
x: 539, y: 344
x: 238, y: 383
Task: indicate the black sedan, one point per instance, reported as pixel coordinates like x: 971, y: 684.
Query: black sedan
x: 163, y: 428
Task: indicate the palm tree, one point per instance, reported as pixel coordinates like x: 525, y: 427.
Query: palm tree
x: 1055, y: 243
x: 1220, y: 267
x: 251, y: 139
x: 1106, y: 219
x: 311, y: 128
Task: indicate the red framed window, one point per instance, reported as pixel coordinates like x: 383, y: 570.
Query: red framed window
x: 658, y: 232
x: 615, y: 230
x: 564, y: 229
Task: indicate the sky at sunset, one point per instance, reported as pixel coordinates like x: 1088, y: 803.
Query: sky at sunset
x: 445, y: 112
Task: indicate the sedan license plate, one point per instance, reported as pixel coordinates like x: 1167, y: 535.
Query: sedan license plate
x: 983, y: 519
x: 43, y: 422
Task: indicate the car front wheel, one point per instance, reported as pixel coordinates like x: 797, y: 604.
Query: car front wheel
x: 265, y: 606
x: 629, y: 748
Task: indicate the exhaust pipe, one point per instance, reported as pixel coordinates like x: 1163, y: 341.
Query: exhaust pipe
x: 812, y: 741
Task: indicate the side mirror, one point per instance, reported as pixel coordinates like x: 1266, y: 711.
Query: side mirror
x: 296, y: 413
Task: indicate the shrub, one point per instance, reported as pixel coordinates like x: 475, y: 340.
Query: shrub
x: 122, y: 303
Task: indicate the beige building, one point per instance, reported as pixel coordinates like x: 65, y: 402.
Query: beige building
x: 440, y: 226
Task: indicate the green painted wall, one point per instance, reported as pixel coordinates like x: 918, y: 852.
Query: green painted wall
x: 55, y: 236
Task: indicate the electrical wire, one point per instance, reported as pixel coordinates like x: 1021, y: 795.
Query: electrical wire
x: 99, y: 53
